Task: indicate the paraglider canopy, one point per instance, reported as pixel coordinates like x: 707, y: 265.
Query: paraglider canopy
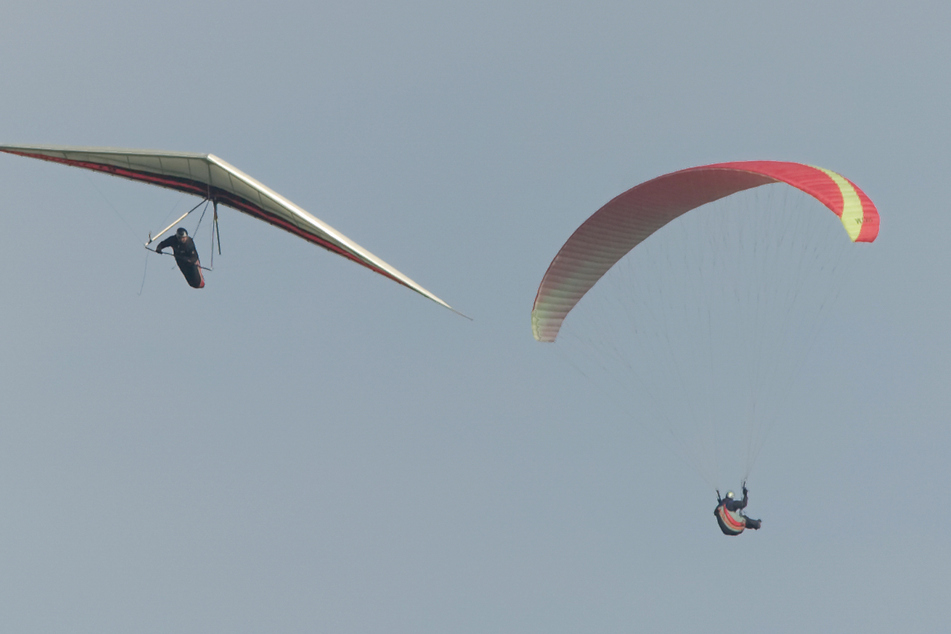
x: 208, y: 176
x: 629, y: 219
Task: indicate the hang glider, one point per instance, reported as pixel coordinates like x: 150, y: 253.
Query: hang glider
x: 213, y: 179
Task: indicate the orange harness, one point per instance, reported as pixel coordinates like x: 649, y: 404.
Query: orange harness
x: 734, y: 525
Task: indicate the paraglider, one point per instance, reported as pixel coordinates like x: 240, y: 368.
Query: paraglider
x: 212, y: 179
x: 670, y: 361
x: 730, y: 516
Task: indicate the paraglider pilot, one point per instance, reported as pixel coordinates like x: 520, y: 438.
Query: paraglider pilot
x: 730, y: 515
x: 186, y: 256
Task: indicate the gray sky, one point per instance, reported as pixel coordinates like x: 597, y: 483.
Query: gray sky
x: 304, y: 446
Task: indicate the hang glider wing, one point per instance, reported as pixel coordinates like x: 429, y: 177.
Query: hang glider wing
x: 208, y: 176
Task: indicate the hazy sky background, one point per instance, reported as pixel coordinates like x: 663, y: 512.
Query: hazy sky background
x: 304, y: 446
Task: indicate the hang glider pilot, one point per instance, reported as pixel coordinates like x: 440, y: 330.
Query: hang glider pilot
x: 730, y: 515
x: 186, y: 256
